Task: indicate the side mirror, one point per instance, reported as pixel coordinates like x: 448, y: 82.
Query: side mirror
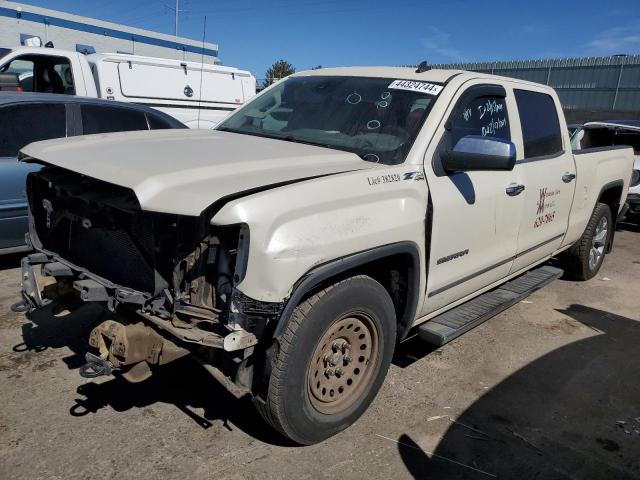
x: 10, y: 82
x: 474, y: 152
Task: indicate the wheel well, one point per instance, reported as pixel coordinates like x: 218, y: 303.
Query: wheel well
x: 394, y: 274
x: 398, y: 273
x: 612, y: 196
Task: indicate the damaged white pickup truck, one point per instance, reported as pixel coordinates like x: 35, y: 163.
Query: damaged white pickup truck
x: 338, y: 213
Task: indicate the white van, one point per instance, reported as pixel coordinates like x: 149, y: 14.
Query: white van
x: 199, y: 95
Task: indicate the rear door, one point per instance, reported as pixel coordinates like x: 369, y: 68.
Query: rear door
x: 548, y: 172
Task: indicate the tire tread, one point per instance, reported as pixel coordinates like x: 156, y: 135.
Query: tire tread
x: 272, y: 409
x: 576, y: 258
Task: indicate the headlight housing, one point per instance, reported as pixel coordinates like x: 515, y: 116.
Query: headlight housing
x: 635, y: 178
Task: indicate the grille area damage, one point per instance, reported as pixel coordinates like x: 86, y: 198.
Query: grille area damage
x: 175, y: 273
x: 100, y: 228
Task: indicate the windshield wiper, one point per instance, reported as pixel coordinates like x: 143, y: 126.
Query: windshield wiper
x: 248, y: 132
x: 286, y: 138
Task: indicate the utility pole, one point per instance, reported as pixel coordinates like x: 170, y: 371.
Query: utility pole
x: 177, y: 12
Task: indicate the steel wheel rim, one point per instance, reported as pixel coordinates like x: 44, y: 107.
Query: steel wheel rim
x: 343, y: 363
x: 598, y: 243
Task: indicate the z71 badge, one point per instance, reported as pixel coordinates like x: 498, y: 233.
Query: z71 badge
x: 418, y: 175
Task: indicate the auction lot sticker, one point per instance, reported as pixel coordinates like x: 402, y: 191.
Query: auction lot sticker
x: 424, y: 87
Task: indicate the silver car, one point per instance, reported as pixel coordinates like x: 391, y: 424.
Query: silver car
x: 30, y: 117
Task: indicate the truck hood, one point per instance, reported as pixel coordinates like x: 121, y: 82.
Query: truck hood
x: 185, y: 171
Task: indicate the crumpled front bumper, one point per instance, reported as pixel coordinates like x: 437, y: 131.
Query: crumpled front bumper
x: 41, y: 272
x: 127, y: 343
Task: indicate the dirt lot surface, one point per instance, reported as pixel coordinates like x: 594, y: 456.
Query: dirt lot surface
x: 549, y: 389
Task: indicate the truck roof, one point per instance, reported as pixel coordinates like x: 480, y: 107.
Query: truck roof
x: 125, y: 57
x: 43, y: 51
x: 409, y: 73
x: 100, y: 57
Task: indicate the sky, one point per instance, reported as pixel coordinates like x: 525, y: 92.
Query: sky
x: 252, y: 35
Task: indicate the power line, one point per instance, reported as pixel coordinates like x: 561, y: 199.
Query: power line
x: 148, y: 4
x: 278, y: 6
x: 147, y: 17
x: 116, y: 6
x: 394, y: 7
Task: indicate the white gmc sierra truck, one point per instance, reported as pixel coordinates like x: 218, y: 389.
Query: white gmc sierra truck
x: 338, y: 213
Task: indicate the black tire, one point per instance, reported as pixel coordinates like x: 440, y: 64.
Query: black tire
x: 292, y: 406
x: 576, y: 259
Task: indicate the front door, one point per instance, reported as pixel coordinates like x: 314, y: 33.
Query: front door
x: 475, y: 222
x: 548, y: 170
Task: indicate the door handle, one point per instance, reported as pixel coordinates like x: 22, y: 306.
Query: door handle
x: 514, y: 189
x: 567, y: 177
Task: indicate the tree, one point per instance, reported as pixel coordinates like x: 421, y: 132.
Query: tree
x: 278, y: 70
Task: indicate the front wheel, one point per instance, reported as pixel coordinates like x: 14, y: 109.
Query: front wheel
x: 584, y: 259
x: 333, y: 357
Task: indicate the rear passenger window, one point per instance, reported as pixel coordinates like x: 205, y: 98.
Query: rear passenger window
x: 22, y: 124
x: 540, y: 125
x: 99, y: 119
x: 485, y: 116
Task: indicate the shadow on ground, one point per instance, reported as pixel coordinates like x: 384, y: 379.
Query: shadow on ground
x: 182, y: 383
x: 412, y: 350
x: 11, y: 260
x: 559, y: 417
x: 48, y: 331
x: 188, y: 387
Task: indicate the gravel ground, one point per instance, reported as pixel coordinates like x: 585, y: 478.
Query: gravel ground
x: 549, y: 389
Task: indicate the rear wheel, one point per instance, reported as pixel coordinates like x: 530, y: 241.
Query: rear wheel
x: 333, y: 358
x: 584, y: 259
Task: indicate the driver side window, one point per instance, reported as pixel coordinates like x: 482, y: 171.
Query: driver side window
x: 485, y: 116
x: 482, y: 111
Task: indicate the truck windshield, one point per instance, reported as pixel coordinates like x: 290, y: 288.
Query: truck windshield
x: 376, y: 118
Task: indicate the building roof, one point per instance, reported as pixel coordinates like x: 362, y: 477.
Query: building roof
x: 92, y: 25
